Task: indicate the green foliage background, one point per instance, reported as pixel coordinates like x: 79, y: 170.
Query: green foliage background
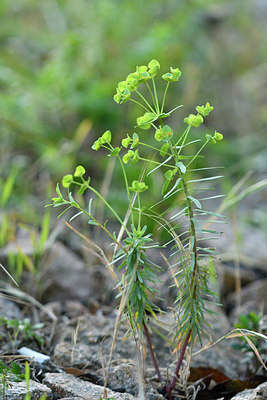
x: 61, y: 61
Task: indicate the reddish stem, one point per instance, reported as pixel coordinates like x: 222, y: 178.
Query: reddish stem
x: 171, y: 386
x: 153, y: 356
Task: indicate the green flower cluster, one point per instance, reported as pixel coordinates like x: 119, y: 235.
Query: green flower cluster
x: 132, y: 156
x: 215, y: 138
x: 105, y: 138
x: 68, y: 179
x: 173, y: 75
x: 196, y: 120
x: 133, y: 80
x: 164, y: 133
x: 138, y: 187
x: 145, y: 121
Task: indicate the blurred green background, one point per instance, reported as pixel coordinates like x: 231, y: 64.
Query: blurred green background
x: 60, y: 64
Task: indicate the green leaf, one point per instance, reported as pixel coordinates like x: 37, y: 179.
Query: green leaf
x: 138, y: 187
x: 144, y: 122
x: 67, y: 180
x: 92, y: 222
x: 97, y: 144
x: 181, y: 167
x: 122, y: 86
x: 82, y: 189
x: 167, y: 133
x: 196, y: 201
x: 126, y: 141
x: 58, y: 191
x: 205, y: 110
x: 172, y: 76
x: 194, y: 120
x: 153, y: 67
x: 218, y: 136
x: 197, y: 226
x: 169, y: 174
x: 58, y: 200
x: 115, y: 152
x: 128, y: 156
x: 106, y: 137
x: 158, y: 135
x: 79, y: 171
x: 135, y: 158
x: 165, y: 187
x: 135, y: 141
x: 164, y: 149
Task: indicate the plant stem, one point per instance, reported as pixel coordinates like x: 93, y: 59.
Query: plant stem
x: 141, y: 105
x: 171, y: 386
x: 146, y: 102
x: 153, y: 98
x: 164, y: 97
x: 155, y: 95
x: 127, y: 188
x: 152, y: 353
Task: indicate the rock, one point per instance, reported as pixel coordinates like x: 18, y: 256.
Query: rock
x: 9, y: 310
x: 23, y: 242
x: 124, y: 376
x: 66, y: 385
x: 226, y: 277
x: 66, y: 277
x: 221, y: 356
x: 244, y: 309
x: 18, y: 391
x: 255, y: 292
x: 259, y: 393
x: 94, y: 338
x: 69, y: 278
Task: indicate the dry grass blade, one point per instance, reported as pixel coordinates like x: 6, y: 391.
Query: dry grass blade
x: 245, y: 333
x: 122, y: 305
x: 31, y: 300
x: 8, y: 274
x: 99, y: 252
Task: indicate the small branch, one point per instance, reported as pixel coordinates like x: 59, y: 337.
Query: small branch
x: 171, y: 386
x: 153, y: 356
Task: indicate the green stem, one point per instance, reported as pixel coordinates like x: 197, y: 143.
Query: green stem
x: 164, y: 97
x: 199, y: 151
x: 153, y: 98
x: 127, y: 188
x: 108, y: 206
x: 101, y: 226
x: 139, y: 212
x: 157, y: 163
x: 155, y: 94
x: 152, y: 147
x: 141, y: 105
x: 147, y: 103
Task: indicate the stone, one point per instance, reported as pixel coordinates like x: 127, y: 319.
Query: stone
x: 255, y: 292
x: 259, y: 393
x: 18, y: 391
x: 221, y: 356
x: 9, y: 309
x: 125, y: 377
x: 66, y: 385
x: 226, y: 278
x: 69, y: 278
x: 94, y: 340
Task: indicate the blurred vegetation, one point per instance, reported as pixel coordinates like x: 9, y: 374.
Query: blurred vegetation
x: 61, y: 61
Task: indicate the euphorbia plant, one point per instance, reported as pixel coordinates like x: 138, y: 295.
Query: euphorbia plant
x: 138, y: 282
